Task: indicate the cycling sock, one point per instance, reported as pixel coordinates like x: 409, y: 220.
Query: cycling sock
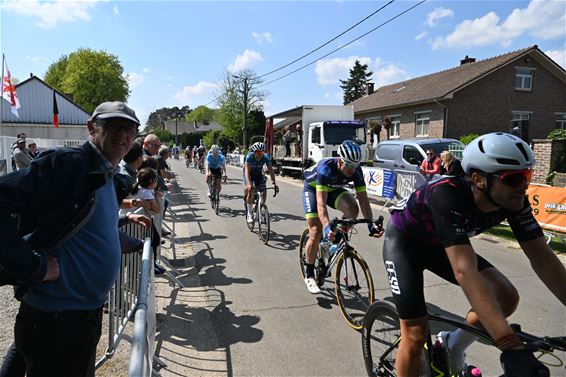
x: 309, y: 270
x: 459, y: 340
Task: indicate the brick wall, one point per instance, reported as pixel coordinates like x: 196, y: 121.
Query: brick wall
x: 487, y: 105
x: 550, y: 156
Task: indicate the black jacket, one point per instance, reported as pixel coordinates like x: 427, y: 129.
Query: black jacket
x: 43, y: 206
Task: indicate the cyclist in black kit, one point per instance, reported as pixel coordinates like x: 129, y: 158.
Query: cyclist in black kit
x: 431, y: 231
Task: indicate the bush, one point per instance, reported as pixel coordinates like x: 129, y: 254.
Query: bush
x: 466, y: 139
x: 557, y: 135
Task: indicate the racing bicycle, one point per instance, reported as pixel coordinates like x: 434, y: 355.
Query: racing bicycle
x: 260, y: 213
x: 381, y: 337
x: 352, y: 281
x: 214, y: 194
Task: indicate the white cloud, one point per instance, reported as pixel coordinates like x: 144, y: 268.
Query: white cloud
x: 135, y: 79
x: 540, y: 19
x: 261, y: 38
x: 420, y: 36
x: 51, y: 13
x: 146, y: 70
x: 437, y: 14
x: 248, y: 59
x: 559, y: 56
x: 115, y: 10
x: 330, y: 71
x: 197, y: 94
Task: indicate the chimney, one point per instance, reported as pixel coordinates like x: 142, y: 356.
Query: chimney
x: 467, y: 60
x: 369, y: 88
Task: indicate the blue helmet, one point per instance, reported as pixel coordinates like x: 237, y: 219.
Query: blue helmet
x: 350, y: 152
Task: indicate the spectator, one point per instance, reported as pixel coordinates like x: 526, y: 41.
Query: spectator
x: 151, y: 145
x: 450, y: 164
x: 144, y: 191
x: 162, y: 157
x: 32, y: 151
x: 430, y: 165
x: 287, y: 138
x: 21, y: 156
x: 14, y: 148
x: 66, y: 205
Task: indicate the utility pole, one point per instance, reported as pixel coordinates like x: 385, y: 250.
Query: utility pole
x: 176, y: 133
x: 245, y: 133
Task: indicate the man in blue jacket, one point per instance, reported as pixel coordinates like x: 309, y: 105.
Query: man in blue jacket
x: 59, y: 240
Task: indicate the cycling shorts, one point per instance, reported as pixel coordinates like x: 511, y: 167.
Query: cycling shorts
x: 332, y: 200
x: 405, y: 260
x: 217, y: 172
x: 257, y: 180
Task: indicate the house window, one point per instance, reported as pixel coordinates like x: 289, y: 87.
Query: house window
x: 395, y: 125
x: 421, y: 124
x: 560, y: 122
x: 524, y: 78
x: 521, y: 115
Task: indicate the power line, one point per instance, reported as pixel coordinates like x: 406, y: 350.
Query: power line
x: 341, y: 47
x: 326, y: 43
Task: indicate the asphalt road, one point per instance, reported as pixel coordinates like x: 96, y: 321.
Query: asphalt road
x: 261, y: 315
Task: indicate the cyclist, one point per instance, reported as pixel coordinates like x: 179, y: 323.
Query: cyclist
x: 253, y: 175
x: 195, y: 156
x: 215, y: 165
x: 200, y: 156
x: 188, y: 155
x: 324, y: 185
x: 431, y: 231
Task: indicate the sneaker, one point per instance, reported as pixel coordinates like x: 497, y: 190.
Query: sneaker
x: 456, y: 361
x: 312, y: 286
x: 208, y: 194
x: 250, y: 218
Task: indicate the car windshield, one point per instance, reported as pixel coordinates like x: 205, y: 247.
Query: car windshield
x: 335, y: 134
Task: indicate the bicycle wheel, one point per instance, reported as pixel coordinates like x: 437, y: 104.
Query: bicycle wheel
x: 381, y: 335
x: 217, y: 200
x: 263, y: 223
x: 354, y: 288
x: 212, y: 197
x: 303, y: 257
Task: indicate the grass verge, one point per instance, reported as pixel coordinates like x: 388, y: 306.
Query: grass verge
x: 505, y: 232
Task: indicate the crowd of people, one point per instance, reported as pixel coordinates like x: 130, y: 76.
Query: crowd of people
x: 61, y: 240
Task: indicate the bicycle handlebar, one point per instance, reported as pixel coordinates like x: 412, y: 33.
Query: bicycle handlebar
x: 349, y: 222
x: 546, y: 343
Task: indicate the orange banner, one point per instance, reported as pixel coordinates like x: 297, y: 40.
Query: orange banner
x: 549, y: 206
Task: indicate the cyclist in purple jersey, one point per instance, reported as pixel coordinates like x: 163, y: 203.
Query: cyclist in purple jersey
x: 324, y: 185
x: 431, y: 231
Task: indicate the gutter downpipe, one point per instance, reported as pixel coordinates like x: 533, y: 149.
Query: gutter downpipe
x: 445, y: 125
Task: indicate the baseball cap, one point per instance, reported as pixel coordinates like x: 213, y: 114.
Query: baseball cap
x: 116, y: 109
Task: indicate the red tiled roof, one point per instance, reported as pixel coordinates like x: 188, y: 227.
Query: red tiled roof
x: 433, y: 86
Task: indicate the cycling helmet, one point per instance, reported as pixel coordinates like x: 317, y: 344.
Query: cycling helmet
x: 259, y: 146
x: 350, y: 152
x: 215, y: 149
x: 497, y: 151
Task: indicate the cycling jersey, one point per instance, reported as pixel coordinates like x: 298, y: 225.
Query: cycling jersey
x: 443, y: 212
x: 256, y: 166
x: 326, y: 176
x: 215, y: 162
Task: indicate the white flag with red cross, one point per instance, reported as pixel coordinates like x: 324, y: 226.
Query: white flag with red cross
x: 9, y: 90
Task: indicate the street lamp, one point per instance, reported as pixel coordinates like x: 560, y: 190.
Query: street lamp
x: 245, y: 129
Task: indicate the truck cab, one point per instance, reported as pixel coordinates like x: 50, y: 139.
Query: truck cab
x: 325, y: 137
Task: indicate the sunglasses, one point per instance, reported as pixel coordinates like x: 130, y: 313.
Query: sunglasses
x: 429, y: 154
x: 350, y: 165
x: 258, y: 152
x: 515, y: 178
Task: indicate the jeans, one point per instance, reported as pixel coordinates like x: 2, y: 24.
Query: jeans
x: 58, y: 343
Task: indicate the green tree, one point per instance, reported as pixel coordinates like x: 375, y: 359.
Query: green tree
x: 355, y: 86
x: 467, y: 139
x: 92, y: 77
x: 165, y: 136
x: 200, y: 114
x: 211, y: 137
x: 156, y: 118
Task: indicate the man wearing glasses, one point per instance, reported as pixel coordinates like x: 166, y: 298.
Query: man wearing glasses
x: 431, y: 231
x: 60, y: 243
x: 430, y: 165
x: 324, y: 185
x: 253, y: 175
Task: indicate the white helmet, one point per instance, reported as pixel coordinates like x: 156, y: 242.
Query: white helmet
x: 497, y: 151
x: 259, y: 146
x: 214, y: 149
x: 350, y: 152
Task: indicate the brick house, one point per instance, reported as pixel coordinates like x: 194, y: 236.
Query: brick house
x: 475, y: 97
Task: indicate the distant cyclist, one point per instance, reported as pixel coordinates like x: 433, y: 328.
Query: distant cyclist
x: 324, y: 186
x: 253, y: 175
x: 215, y: 165
x: 432, y: 231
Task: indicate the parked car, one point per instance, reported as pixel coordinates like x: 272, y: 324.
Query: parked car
x: 408, y: 154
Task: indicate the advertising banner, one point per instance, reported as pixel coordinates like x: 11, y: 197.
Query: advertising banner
x: 380, y: 182
x: 407, y: 182
x: 549, y: 206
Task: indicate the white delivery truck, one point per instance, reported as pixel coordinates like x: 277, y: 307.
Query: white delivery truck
x: 317, y: 131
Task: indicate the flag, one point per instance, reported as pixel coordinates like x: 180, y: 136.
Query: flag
x: 9, y: 90
x: 55, y: 111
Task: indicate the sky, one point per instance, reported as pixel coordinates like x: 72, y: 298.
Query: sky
x: 174, y: 53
